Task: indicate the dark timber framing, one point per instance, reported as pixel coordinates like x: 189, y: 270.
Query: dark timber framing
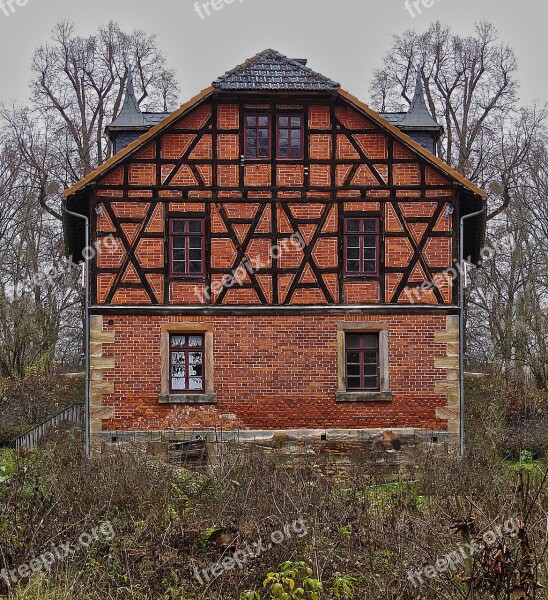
x: 216, y: 196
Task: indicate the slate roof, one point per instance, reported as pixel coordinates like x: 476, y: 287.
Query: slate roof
x: 154, y: 118
x: 272, y: 71
x: 393, y: 118
x: 418, y: 115
x: 131, y: 116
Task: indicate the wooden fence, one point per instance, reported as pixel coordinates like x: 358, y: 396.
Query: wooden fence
x: 31, y: 438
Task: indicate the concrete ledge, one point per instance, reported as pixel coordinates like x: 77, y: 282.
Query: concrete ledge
x: 291, y: 435
x: 364, y: 397
x: 188, y: 399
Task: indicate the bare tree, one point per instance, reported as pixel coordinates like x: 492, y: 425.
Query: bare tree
x: 470, y: 85
x: 81, y: 81
x: 77, y: 89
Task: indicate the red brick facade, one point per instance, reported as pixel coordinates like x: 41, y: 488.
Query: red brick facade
x: 276, y: 368
x: 276, y: 373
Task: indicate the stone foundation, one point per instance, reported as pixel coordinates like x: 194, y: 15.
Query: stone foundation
x: 391, y: 452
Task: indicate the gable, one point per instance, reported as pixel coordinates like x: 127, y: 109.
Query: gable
x: 354, y: 115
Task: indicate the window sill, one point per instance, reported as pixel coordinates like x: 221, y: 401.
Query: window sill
x: 364, y: 396
x: 188, y: 399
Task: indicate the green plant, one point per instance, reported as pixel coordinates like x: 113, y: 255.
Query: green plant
x: 294, y: 581
x: 343, y: 587
x: 526, y: 457
x: 250, y: 595
x: 7, y: 463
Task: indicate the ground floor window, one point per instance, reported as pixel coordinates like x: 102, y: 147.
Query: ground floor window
x: 187, y: 374
x: 187, y: 362
x: 363, y: 362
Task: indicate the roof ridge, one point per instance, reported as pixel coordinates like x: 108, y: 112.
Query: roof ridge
x: 241, y: 77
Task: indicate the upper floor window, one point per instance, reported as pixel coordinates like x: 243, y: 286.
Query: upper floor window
x: 187, y: 247
x: 257, y: 136
x: 361, y: 246
x: 290, y: 130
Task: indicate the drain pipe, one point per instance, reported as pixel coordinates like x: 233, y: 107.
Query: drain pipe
x: 461, y: 325
x: 86, y: 330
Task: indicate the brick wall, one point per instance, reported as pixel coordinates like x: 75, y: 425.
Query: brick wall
x: 277, y: 373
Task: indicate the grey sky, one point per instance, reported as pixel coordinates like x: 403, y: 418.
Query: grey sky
x: 345, y: 40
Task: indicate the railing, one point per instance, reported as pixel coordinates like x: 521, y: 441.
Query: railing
x: 31, y: 438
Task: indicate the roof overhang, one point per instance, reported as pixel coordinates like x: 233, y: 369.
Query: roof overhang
x: 412, y: 145
x: 78, y: 195
x: 139, y: 143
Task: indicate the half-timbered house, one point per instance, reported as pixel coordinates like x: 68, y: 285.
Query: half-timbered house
x: 274, y: 256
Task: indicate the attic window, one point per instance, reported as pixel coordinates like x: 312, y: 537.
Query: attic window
x: 257, y: 136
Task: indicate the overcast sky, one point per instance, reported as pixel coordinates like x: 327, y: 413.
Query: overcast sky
x: 345, y: 39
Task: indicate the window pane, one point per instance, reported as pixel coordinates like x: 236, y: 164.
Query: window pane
x: 179, y: 255
x: 352, y: 225
x: 178, y: 226
x: 195, y: 243
x: 195, y: 341
x: 296, y: 134
x: 353, y: 358
x: 195, y: 267
x: 178, y: 242
x: 263, y: 133
x: 353, y: 370
x: 353, y: 241
x: 296, y: 151
x: 251, y: 134
x: 178, y: 341
x: 370, y: 226
x: 178, y: 383
x: 264, y: 121
x: 370, y: 266
x: 195, y: 370
x: 196, y: 255
x: 370, y: 253
x: 370, y: 370
x: 178, y: 359
x: 252, y: 120
x: 353, y: 266
x: 353, y: 383
x: 353, y: 340
x: 195, y: 383
x: 370, y: 342
x: 195, y: 227
x: 369, y: 241
x: 263, y: 151
x: 284, y: 134
x: 353, y: 253
x: 370, y: 383
x: 295, y: 121
x: 283, y: 121
x: 179, y: 268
